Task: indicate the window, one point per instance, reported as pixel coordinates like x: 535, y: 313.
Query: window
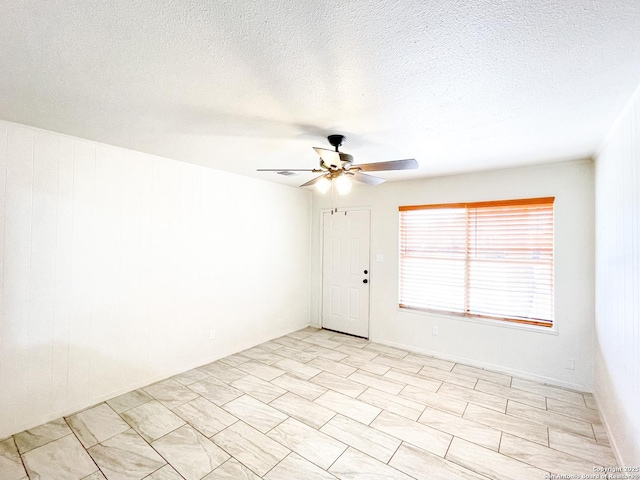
x: 485, y: 259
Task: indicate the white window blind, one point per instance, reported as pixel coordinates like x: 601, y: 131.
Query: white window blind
x: 487, y: 259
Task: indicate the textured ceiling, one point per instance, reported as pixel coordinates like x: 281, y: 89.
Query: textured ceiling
x: 240, y: 85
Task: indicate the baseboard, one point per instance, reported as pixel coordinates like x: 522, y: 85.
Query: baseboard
x: 487, y: 366
x: 79, y: 406
x: 607, y: 428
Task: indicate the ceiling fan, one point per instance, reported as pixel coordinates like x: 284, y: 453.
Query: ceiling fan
x: 338, y: 166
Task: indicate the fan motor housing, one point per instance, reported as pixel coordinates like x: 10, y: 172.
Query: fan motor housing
x: 345, y: 162
x: 336, y: 140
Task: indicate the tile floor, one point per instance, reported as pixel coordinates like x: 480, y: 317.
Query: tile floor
x: 319, y: 405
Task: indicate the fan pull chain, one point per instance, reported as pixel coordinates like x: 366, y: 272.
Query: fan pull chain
x: 334, y: 197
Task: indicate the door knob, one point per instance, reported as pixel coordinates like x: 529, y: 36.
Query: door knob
x: 365, y: 281
x: 366, y: 271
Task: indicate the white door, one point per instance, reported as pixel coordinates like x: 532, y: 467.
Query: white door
x: 345, y: 272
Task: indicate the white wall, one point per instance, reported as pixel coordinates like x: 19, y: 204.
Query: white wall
x: 115, y: 266
x: 617, y: 373
x: 527, y: 353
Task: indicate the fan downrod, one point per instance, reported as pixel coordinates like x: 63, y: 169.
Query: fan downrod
x: 336, y: 140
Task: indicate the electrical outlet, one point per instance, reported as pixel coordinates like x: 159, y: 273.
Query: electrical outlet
x: 435, y: 331
x: 212, y: 334
x: 571, y: 364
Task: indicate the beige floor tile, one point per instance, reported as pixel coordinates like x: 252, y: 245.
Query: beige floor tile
x: 129, y: 400
x: 253, y: 412
x: 236, y: 359
x: 377, y: 382
x: 418, y: 434
x: 250, y: 447
x: 426, y: 360
x: 95, y: 476
x: 260, y: 370
x: 311, y: 329
x: 574, y: 411
x: 291, y: 342
x: 299, y: 335
x: 302, y: 388
x: 258, y: 388
x: 11, y: 467
x: 357, y: 352
x: 221, y: 371
x: 414, y: 379
x: 96, y: 425
x: 215, y: 391
x: 548, y: 391
x: 397, y: 363
x: 204, y: 416
x: 581, y: 447
x: 297, y: 369
x: 271, y: 346
x: 152, y: 420
x: 165, y: 473
x: 481, y: 373
x: 491, y: 464
x: 368, y: 440
x: 366, y: 365
x: 294, y: 354
x: 171, y: 393
x: 264, y: 356
x: 349, y: 340
x: 435, y: 400
x: 424, y: 465
x: 62, y: 459
x: 126, y: 457
x: 520, y: 396
x: 473, y: 396
x: 590, y: 401
x: 325, y: 334
x: 338, y: 384
x: 302, y: 409
x: 461, y: 427
x: 347, y: 406
x: 386, y: 350
x: 355, y: 465
x: 189, y: 377
x: 392, y: 403
x: 41, y: 435
x: 449, y: 377
x: 309, y: 443
x: 294, y: 467
x: 601, y: 434
x: 190, y: 453
x: 550, y: 419
x: 545, y: 458
x: 517, y: 426
x: 321, y: 342
x: 231, y: 470
x: 326, y: 353
x: 332, y: 366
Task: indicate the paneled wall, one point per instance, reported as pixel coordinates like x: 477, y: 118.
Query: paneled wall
x: 117, y: 267
x: 617, y: 374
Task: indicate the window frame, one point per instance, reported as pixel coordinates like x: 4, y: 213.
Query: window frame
x: 517, y: 322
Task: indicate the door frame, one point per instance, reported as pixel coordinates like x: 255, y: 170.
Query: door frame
x: 321, y: 286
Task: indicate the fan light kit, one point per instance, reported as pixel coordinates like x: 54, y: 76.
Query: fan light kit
x: 323, y: 185
x: 338, y: 170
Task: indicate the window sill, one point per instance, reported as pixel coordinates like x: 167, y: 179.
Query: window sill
x: 481, y: 320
